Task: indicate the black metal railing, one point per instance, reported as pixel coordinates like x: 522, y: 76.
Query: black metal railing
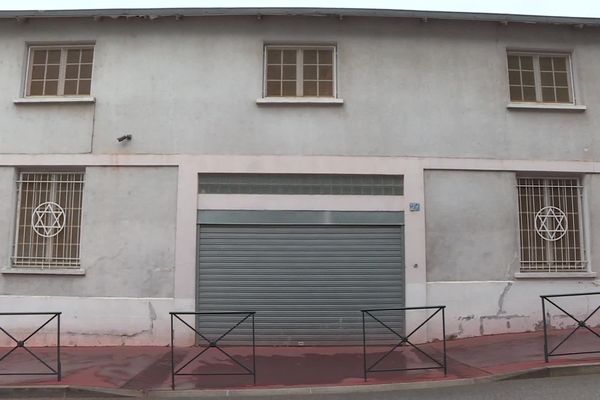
x: 403, y: 340
x: 213, y: 344
x: 580, y: 324
x: 22, y: 344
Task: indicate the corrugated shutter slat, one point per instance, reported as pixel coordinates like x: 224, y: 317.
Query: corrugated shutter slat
x: 307, y: 283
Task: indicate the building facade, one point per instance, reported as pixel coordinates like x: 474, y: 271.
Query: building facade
x: 302, y: 166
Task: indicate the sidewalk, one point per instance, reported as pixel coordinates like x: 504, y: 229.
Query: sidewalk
x: 149, y: 368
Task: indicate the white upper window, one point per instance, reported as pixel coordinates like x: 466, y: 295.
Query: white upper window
x: 300, y: 71
x: 540, y: 78
x: 59, y: 71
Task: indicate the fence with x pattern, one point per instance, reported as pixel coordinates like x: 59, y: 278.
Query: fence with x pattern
x: 403, y: 340
x: 580, y: 323
x: 22, y: 344
x: 212, y: 344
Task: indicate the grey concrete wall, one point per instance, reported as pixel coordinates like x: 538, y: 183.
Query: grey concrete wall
x: 127, y: 239
x: 472, y: 225
x: 592, y: 198
x: 410, y: 88
x: 36, y: 128
x: 7, y: 212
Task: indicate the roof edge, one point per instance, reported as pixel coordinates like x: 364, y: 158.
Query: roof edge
x: 299, y: 11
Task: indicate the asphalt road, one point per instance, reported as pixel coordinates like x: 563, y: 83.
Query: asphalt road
x: 582, y: 387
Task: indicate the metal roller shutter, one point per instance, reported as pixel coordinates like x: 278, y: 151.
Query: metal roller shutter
x: 307, y: 283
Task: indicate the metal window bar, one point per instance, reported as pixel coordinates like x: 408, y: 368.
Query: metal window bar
x: 404, y: 340
x: 581, y: 323
x: 21, y: 344
x: 62, y: 250
x: 301, y: 184
x: 566, y: 254
x: 244, y: 316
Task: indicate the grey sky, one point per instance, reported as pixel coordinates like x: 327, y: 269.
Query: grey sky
x: 570, y: 8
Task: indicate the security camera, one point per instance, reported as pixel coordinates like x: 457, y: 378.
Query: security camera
x: 123, y: 138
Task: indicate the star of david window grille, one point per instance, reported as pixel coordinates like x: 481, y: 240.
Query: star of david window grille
x: 48, y: 219
x: 551, y: 224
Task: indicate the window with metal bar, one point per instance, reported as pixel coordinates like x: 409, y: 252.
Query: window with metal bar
x: 540, y: 78
x: 302, y: 184
x: 299, y: 71
x: 551, y: 225
x: 59, y: 71
x: 48, y: 219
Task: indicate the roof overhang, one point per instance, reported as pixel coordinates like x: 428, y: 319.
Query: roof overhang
x: 153, y: 13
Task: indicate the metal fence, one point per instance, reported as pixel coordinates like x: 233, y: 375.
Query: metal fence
x: 22, y: 344
x: 403, y: 340
x: 580, y: 324
x: 212, y: 344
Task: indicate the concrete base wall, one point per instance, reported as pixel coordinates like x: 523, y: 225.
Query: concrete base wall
x: 493, y: 307
x: 472, y: 309
x: 96, y: 321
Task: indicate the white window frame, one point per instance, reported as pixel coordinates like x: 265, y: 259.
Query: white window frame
x: 71, y: 265
x: 300, y: 70
x: 556, y: 271
x: 537, y: 75
x: 61, y: 71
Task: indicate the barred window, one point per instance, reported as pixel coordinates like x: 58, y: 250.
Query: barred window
x: 302, y: 184
x: 551, y: 227
x: 59, y: 71
x: 48, y: 219
x: 304, y: 71
x: 541, y: 78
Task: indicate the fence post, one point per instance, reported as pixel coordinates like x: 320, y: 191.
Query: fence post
x: 444, y: 339
x: 172, y: 354
x: 545, y: 328
x: 59, y: 365
x: 364, y: 346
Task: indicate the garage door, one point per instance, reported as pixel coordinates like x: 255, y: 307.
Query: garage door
x: 306, y: 274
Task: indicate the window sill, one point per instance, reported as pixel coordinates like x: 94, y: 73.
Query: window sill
x: 42, y: 271
x: 54, y: 99
x: 546, y: 106
x: 554, y: 275
x: 299, y: 100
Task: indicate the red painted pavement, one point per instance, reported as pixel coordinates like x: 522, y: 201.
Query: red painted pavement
x: 132, y: 367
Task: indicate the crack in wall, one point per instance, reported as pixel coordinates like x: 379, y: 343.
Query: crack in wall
x: 501, y: 313
x: 502, y: 298
x: 513, y: 261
